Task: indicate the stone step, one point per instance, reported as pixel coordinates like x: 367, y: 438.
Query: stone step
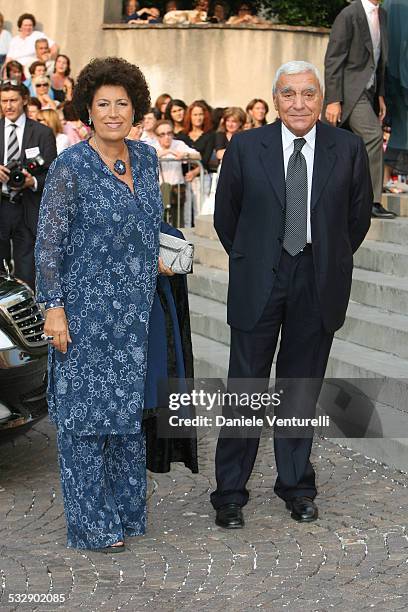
x: 382, y: 257
x: 385, y: 418
x: 380, y: 290
x: 377, y: 329
x: 204, y: 227
x: 397, y: 203
x: 347, y: 360
x: 389, y: 293
x: 365, y: 326
x: 208, y: 282
x: 389, y: 230
x: 384, y: 230
x: 373, y: 255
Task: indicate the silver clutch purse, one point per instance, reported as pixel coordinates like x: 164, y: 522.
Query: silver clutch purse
x: 176, y: 253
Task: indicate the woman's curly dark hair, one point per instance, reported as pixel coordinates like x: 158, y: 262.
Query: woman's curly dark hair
x: 111, y: 71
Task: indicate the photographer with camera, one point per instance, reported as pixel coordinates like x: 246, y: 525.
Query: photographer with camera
x: 27, y: 149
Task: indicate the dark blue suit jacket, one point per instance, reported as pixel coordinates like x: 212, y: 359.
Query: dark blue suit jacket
x: 250, y: 215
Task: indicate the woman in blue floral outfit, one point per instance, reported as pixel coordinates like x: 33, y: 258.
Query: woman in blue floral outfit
x: 97, y: 264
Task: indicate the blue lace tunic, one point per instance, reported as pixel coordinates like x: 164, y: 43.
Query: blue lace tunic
x: 97, y: 249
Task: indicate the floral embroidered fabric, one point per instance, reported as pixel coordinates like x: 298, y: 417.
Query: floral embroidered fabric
x: 97, y: 250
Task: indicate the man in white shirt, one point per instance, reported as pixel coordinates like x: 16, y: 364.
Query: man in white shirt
x: 354, y: 83
x: 293, y: 204
x: 22, y: 46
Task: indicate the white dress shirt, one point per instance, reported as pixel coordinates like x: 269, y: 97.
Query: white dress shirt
x: 374, y: 25
x: 20, y: 123
x: 23, y: 49
x: 5, y: 40
x: 308, y: 151
x: 172, y: 171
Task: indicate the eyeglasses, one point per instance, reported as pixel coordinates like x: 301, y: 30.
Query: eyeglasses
x: 164, y: 134
x: 41, y: 84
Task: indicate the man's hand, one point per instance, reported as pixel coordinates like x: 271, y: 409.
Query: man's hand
x: 4, y: 174
x: 29, y: 180
x: 383, y: 108
x: 164, y: 269
x: 333, y: 113
x: 56, y: 325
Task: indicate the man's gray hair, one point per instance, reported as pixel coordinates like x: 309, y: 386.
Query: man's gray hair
x: 296, y: 67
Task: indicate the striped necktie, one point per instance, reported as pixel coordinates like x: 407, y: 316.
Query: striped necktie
x: 13, y: 149
x: 295, y: 237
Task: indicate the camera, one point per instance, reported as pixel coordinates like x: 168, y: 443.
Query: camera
x: 17, y: 178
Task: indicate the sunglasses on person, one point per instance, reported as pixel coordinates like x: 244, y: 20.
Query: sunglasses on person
x: 41, y: 84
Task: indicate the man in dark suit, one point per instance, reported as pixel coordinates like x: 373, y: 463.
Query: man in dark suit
x: 354, y: 83
x: 292, y: 206
x: 21, y: 139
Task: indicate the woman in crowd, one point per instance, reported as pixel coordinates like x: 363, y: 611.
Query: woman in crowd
x: 36, y: 69
x: 59, y: 79
x: 258, y: 109
x: 149, y: 126
x: 97, y: 264
x: 233, y: 121
x: 33, y: 108
x: 175, y: 111
x: 246, y: 14
x: 50, y: 117
x: 171, y: 172
x: 73, y: 126
x: 198, y: 135
x: 161, y: 104
x: 396, y: 154
x: 15, y: 71
x: 219, y: 12
x: 42, y: 87
x: 5, y: 39
x: 22, y: 46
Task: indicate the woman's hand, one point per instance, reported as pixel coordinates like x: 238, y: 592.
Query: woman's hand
x: 191, y: 174
x: 164, y: 269
x: 56, y: 325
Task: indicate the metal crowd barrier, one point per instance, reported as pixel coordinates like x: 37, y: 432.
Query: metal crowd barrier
x: 182, y: 201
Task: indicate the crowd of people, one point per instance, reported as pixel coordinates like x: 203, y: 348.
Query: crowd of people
x: 34, y: 59
x: 201, y: 11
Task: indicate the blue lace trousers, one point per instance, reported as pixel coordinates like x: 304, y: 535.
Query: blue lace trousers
x: 103, y: 482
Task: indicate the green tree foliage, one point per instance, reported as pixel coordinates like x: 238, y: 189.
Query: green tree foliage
x: 304, y: 12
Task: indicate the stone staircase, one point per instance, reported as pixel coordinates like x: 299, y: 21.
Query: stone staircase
x: 372, y: 344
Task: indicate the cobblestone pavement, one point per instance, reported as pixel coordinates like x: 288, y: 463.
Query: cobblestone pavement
x: 355, y: 557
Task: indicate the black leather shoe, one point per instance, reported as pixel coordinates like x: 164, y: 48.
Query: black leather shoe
x: 303, y: 509
x: 230, y: 517
x: 379, y: 212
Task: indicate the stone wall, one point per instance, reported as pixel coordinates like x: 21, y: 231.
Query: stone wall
x: 223, y: 65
